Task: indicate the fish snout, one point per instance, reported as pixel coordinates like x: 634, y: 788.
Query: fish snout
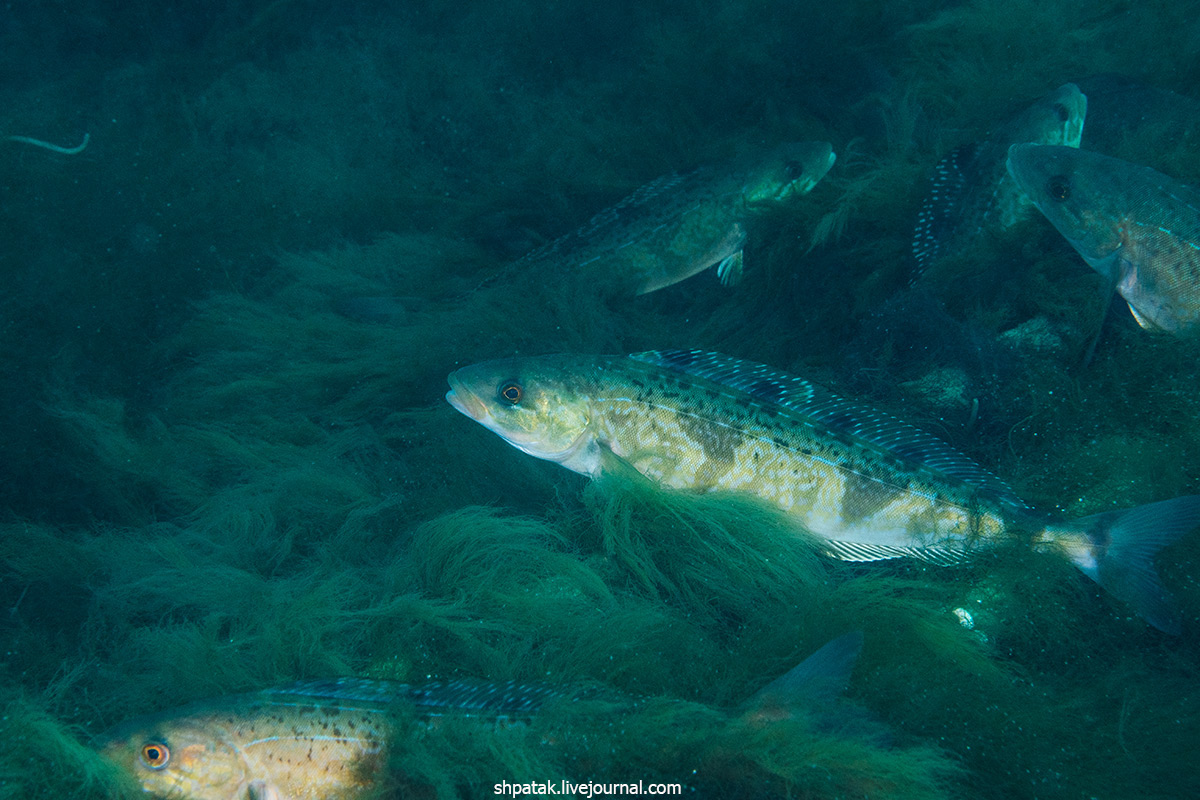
x: 464, y: 400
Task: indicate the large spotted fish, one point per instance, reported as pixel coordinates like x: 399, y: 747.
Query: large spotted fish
x: 971, y: 193
x: 682, y: 223
x: 330, y: 739
x: 324, y: 739
x: 873, y: 487
x: 1137, y: 227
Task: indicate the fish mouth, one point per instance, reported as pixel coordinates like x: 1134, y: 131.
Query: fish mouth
x: 464, y: 400
x: 469, y: 404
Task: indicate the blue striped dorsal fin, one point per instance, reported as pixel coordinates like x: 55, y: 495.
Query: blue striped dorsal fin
x: 433, y: 698
x: 509, y: 697
x: 768, y: 387
x: 346, y: 689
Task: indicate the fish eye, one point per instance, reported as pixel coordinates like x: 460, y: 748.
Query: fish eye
x: 155, y: 755
x: 794, y: 170
x: 1063, y: 113
x: 511, y: 392
x: 1059, y: 188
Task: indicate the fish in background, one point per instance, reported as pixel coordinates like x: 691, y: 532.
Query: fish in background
x: 1138, y: 122
x: 330, y: 739
x: 682, y: 223
x: 871, y: 486
x: 971, y: 191
x: 1138, y: 228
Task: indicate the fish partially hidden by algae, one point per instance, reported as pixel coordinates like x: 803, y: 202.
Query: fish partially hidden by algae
x: 330, y: 739
x: 871, y: 486
x: 683, y: 223
x: 971, y: 193
x: 1135, y: 226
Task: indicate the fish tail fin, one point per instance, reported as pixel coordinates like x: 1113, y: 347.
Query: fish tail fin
x: 820, y: 678
x: 1117, y: 550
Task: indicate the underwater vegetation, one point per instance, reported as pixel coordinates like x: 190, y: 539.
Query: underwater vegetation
x: 227, y: 324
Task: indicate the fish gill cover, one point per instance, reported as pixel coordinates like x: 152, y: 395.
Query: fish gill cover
x: 228, y: 320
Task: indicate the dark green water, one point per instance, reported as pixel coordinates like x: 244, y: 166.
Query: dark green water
x: 226, y: 325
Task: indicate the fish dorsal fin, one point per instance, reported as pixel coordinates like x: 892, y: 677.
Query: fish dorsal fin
x: 507, y: 698
x: 820, y: 678
x: 433, y: 698
x: 942, y: 208
x: 634, y: 204
x: 605, y: 221
x: 351, y: 689
x: 771, y: 387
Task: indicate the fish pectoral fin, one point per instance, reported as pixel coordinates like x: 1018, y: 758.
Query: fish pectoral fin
x: 820, y: 678
x: 857, y: 551
x: 1145, y: 323
x: 730, y: 269
x: 1111, y: 265
x: 261, y: 790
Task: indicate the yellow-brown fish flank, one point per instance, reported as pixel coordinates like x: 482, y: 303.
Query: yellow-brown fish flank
x: 865, y: 496
x: 681, y: 417
x: 745, y: 429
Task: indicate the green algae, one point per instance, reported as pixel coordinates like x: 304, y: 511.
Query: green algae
x: 43, y: 758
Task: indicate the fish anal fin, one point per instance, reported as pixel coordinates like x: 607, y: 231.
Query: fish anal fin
x: 857, y: 551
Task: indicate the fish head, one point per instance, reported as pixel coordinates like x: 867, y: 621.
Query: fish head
x: 178, y: 756
x: 1056, y: 118
x: 538, y: 405
x: 787, y: 171
x: 1069, y: 187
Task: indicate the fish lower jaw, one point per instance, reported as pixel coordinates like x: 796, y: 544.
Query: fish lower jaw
x: 582, y: 455
x: 465, y: 405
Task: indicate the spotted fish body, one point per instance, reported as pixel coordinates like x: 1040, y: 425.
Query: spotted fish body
x: 323, y: 739
x: 971, y: 191
x: 683, y: 223
x: 873, y: 487
x: 1135, y: 226
x: 329, y: 739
